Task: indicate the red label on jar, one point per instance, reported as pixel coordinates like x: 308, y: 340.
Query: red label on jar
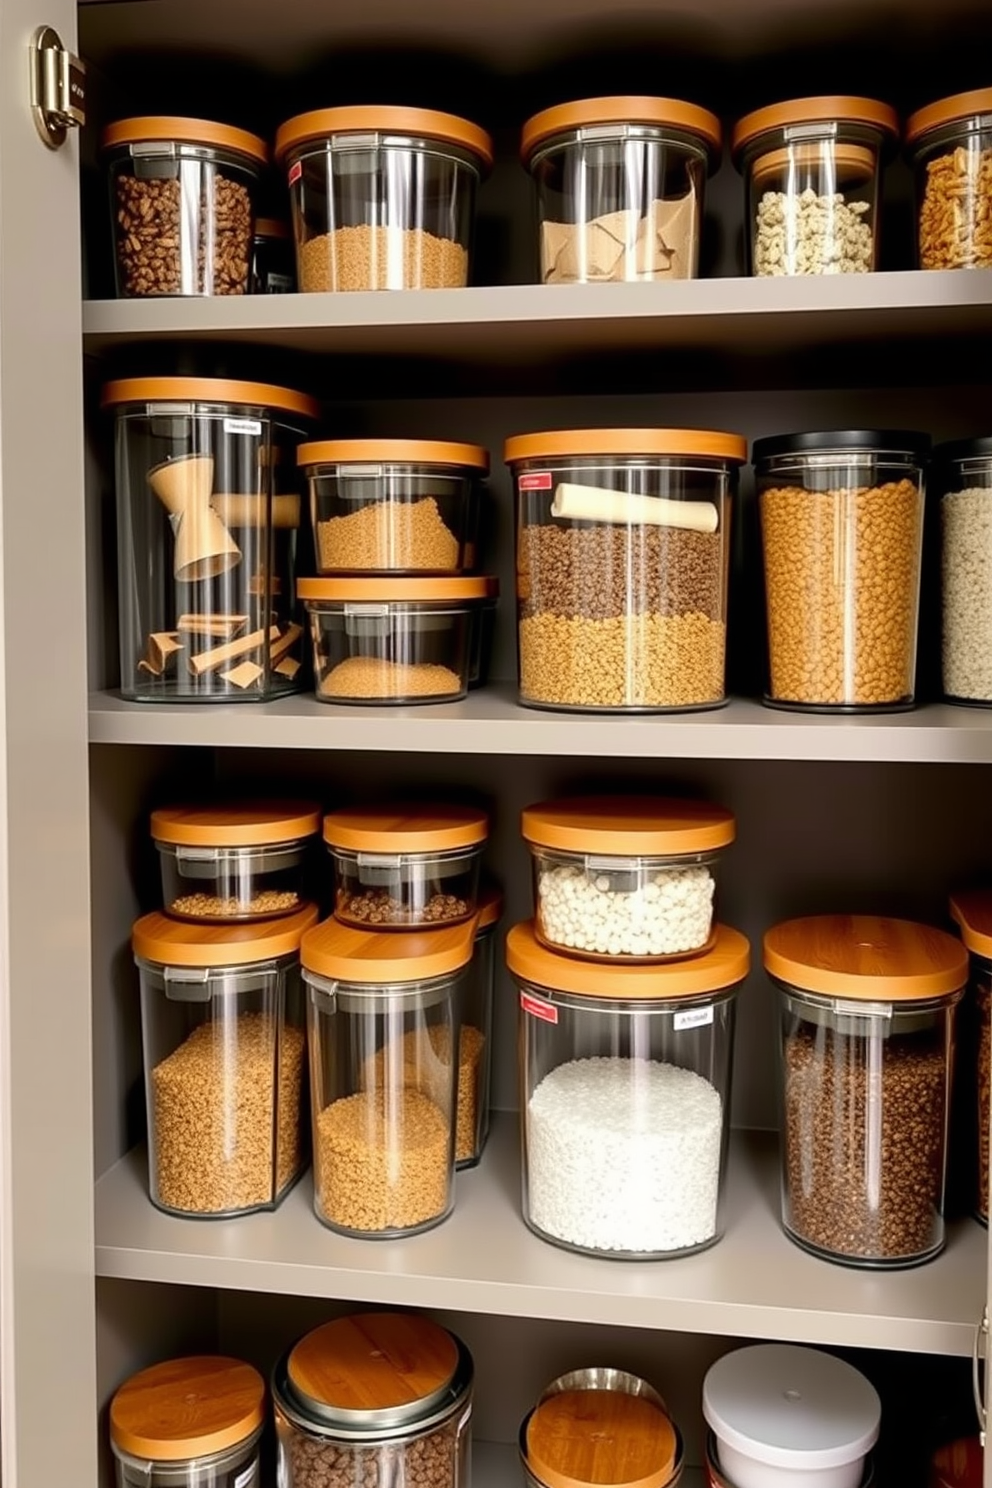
x: 540, y: 481
x: 538, y: 1009
x: 295, y: 172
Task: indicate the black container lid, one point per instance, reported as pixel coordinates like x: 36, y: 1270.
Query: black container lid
x: 963, y: 449
x: 910, y: 441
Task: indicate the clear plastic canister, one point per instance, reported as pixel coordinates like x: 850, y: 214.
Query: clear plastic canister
x: 183, y: 195
x: 475, y: 1040
x: 383, y: 1019
x: 377, y: 1398
x: 386, y: 506
x: 620, y: 186
x: 599, y: 1425
x: 208, y: 515
x: 189, y: 1423
x: 383, y: 198
x: 273, y: 260
x: 625, y: 1076
x: 812, y: 171
x: 867, y: 1037
x: 950, y: 144
x: 626, y: 878
x: 963, y: 475
x: 482, y: 634
x: 972, y: 910
x: 842, y: 533
x: 225, y: 1066
x: 623, y: 545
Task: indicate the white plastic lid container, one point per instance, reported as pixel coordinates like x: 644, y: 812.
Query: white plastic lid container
x: 788, y: 1417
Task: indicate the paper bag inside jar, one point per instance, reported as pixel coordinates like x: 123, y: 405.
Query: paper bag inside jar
x: 622, y: 245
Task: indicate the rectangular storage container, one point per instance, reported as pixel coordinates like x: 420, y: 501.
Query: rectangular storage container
x: 236, y: 862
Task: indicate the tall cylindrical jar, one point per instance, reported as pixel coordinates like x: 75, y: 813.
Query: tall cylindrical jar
x: 972, y: 911
x: 963, y: 472
x: 225, y: 1066
x: 208, y: 515
x: 842, y: 533
x: 625, y: 1086
x: 950, y: 144
x: 867, y: 1009
x: 623, y: 545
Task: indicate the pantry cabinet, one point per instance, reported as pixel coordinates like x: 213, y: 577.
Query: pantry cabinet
x: 884, y: 812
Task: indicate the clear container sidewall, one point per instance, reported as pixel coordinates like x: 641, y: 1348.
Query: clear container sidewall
x: 981, y: 991
x: 226, y: 883
x: 964, y: 148
x: 966, y: 548
x: 218, y: 1470
x: 477, y: 1013
x: 398, y: 641
x: 410, y: 880
x: 391, y: 494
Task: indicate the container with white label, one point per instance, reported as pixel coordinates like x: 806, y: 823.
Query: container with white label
x: 625, y: 1076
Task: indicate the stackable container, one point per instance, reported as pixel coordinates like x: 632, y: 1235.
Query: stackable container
x: 183, y: 194
x: 393, y: 506
x: 225, y: 1067
x: 620, y: 186
x: 481, y: 633
x: 382, y: 197
x: 273, y: 261
x: 600, y: 1425
x: 787, y: 1417
x: 950, y: 146
x: 842, y: 532
x: 401, y: 866
x: 383, y: 1397
x: 625, y: 878
x: 475, y: 1043
x: 972, y: 910
x: 963, y: 475
x: 208, y: 515
x: 383, y: 1019
x: 392, y: 640
x: 625, y: 1082
x: 867, y: 1009
x: 189, y: 1423
x: 623, y: 544
x: 239, y: 862
x: 812, y: 170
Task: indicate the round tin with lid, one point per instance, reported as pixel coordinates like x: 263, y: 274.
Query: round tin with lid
x: 599, y: 119
x: 208, y: 390
x: 162, y: 941
x: 866, y: 958
x: 587, y: 1437
x: 321, y: 127
x: 187, y: 1420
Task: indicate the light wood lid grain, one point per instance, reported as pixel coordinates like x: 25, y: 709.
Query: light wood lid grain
x: 428, y: 124
x: 953, y: 110
x: 402, y: 451
x: 187, y: 1408
x: 652, y: 826
x: 827, y: 109
x: 605, y: 1438
x: 251, y: 824
x: 972, y: 910
x: 156, y: 937
x: 208, y: 390
x: 716, y: 970
x: 406, y: 828
x: 398, y: 591
x: 866, y: 956
x: 373, y: 1361
x: 688, y: 118
x: 155, y: 129
x: 846, y: 159
x: 343, y: 953
x: 577, y: 443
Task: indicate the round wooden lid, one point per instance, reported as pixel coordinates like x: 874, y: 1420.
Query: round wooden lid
x: 253, y: 824
x: 830, y: 109
x: 649, y: 826
x: 208, y: 390
x: 370, y: 1363
x: 972, y: 910
x: 866, y: 956
x: 152, y: 129
x: 167, y: 942
x: 857, y: 160
x: 406, y: 828
x: 403, y: 451
x: 374, y: 958
x: 187, y: 1408
x: 575, y: 443
x: 399, y: 590
x: 606, y: 1438
x: 724, y: 966
x: 419, y: 123
x: 689, y: 118
x: 951, y: 110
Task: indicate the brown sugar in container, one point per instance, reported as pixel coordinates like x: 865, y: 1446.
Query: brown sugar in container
x: 600, y: 1429
x: 972, y: 911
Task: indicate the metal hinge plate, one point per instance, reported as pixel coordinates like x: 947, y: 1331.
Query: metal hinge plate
x: 58, y: 87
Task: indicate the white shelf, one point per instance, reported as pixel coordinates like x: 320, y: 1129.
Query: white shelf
x: 753, y: 1284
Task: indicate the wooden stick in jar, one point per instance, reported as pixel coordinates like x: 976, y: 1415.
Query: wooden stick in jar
x: 209, y: 661
x: 595, y: 504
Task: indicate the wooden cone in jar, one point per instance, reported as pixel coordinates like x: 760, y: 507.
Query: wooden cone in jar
x: 204, y: 547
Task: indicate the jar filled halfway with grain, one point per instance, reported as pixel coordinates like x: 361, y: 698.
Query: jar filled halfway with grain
x: 867, y: 1017
x: 963, y: 476
x: 623, y: 546
x: 842, y: 534
x: 972, y: 910
x: 950, y: 145
x: 375, y: 1398
x: 384, y: 1021
x: 222, y: 1032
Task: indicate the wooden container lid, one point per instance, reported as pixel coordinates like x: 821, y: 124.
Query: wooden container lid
x: 373, y: 1364
x: 157, y: 938
x: 849, y: 160
x: 951, y: 110
x: 829, y: 109
x: 607, y: 1438
x: 490, y: 909
x: 406, y: 828
x: 187, y: 1408
x: 577, y: 443
x: 403, y: 451
x: 319, y: 124
x: 687, y: 117
x: 866, y: 956
x: 398, y: 590
x: 254, y: 824
x: 375, y: 958
x: 971, y: 909
x: 727, y: 964
x: 207, y: 390
x: 648, y: 826
x: 272, y: 227
x: 153, y: 129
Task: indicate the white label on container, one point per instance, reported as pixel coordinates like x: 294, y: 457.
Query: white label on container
x: 546, y: 1011
x: 242, y: 426
x: 246, y: 1477
x: 692, y: 1018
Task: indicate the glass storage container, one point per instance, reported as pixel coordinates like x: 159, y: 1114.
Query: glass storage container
x: 482, y: 633
x: 625, y: 1082
x: 273, y: 260
x: 622, y: 555
x: 207, y: 520
x: 475, y: 1041
x: 972, y: 911
x: 383, y: 1019
x: 225, y: 1070
x: 236, y: 862
x: 382, y: 198
x: 867, y: 1008
x: 596, y: 1426
x: 842, y: 533
x: 789, y: 1417
x: 398, y: 866
x: 625, y: 878
x: 391, y: 640
x: 183, y: 194
x: 963, y: 472
x: 378, y: 1398
x: 620, y: 185
x: 950, y: 145
x: 812, y: 170
x: 189, y: 1423
x: 392, y: 505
